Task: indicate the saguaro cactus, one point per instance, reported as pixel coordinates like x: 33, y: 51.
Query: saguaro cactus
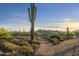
x: 67, y: 34
x: 32, y: 17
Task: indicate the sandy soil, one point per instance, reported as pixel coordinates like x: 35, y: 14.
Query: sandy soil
x: 48, y: 49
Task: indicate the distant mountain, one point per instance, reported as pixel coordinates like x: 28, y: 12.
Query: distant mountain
x: 48, y: 32
x: 76, y: 30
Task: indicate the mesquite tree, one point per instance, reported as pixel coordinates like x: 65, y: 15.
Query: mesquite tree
x: 32, y: 17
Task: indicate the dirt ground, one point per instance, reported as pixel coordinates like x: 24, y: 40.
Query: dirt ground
x: 48, y: 49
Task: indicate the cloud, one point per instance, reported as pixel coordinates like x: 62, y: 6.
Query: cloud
x: 67, y: 20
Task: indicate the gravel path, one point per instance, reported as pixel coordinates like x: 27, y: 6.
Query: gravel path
x: 47, y: 48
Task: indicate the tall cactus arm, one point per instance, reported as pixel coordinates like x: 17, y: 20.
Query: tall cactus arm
x: 35, y: 13
x: 31, y: 10
x: 29, y: 14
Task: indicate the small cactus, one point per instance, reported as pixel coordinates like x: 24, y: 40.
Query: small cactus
x: 67, y: 34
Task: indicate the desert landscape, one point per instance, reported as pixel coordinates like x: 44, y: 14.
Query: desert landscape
x: 31, y: 29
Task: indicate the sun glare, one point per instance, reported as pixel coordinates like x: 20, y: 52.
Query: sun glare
x: 72, y: 25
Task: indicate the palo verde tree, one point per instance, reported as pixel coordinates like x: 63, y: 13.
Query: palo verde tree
x: 32, y: 17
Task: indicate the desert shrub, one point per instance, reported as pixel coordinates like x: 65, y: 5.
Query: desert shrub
x: 18, y: 41
x: 70, y: 35
x: 14, y: 49
x: 15, y: 33
x: 5, y: 33
x: 14, y: 40
x: 35, y: 45
x: 8, y: 47
x: 55, y: 41
x: 36, y: 42
x: 25, y: 50
x: 26, y: 40
x: 8, y: 35
x: 57, y: 36
x: 2, y: 40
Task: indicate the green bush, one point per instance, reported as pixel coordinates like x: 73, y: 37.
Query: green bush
x: 5, y: 33
x: 54, y: 41
x: 15, y: 33
x: 27, y: 40
x: 25, y: 50
x: 14, y: 49
x: 35, y: 45
x: 8, y: 47
x: 57, y: 36
x: 70, y: 35
x: 36, y: 42
x: 18, y: 41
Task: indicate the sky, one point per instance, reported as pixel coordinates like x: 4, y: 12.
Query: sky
x: 48, y: 17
